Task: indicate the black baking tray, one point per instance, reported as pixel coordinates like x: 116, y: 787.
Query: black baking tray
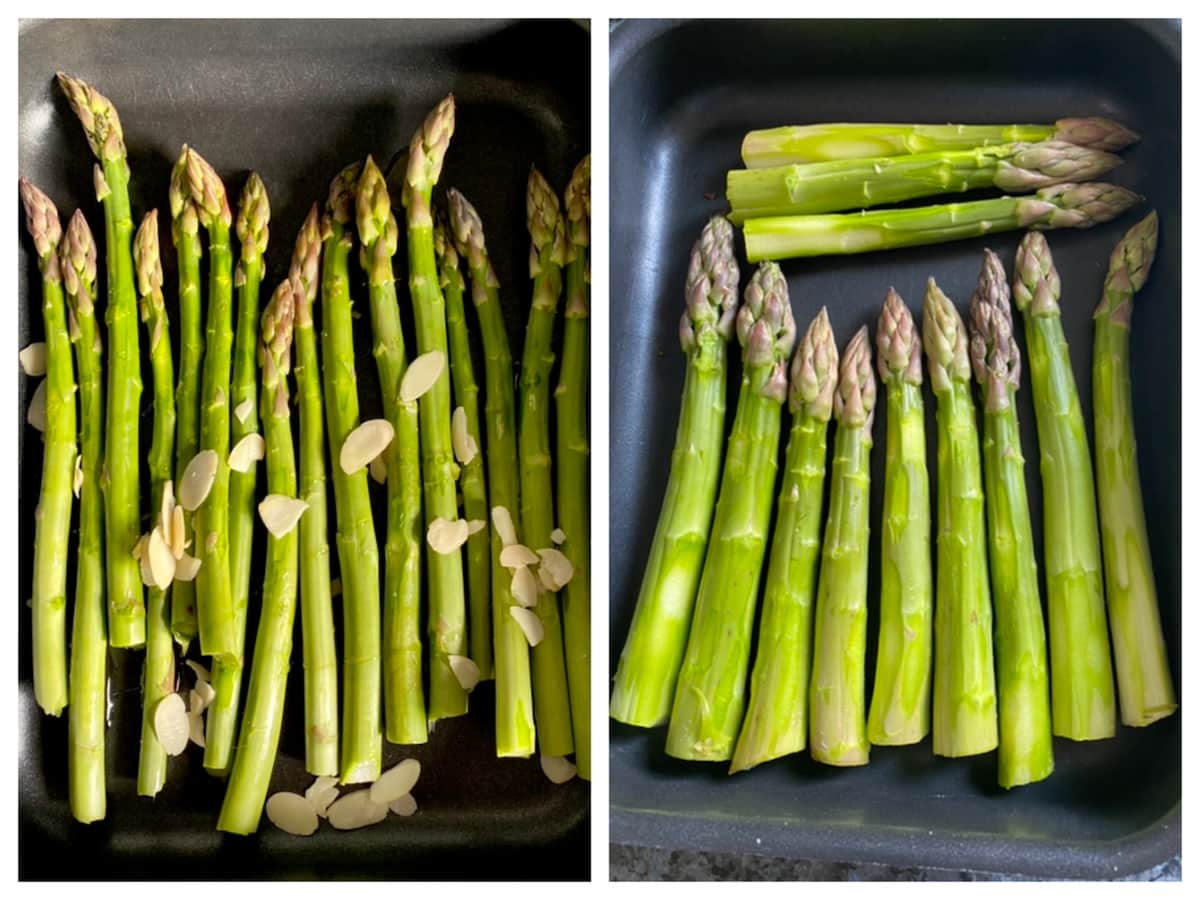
x: 682, y: 95
x: 296, y: 101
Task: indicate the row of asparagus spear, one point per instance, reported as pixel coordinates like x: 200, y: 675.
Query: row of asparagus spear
x: 231, y: 407
x: 962, y: 644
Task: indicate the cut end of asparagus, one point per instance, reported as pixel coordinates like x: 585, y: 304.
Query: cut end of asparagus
x: 544, y: 220
x: 854, y: 399
x: 147, y: 263
x: 766, y: 329
x: 275, y: 345
x: 197, y: 190
x: 77, y: 253
x: 1128, y: 268
x: 1036, y: 285
x: 339, y: 206
x: 98, y: 116
x: 468, y: 237
x: 1033, y: 166
x: 41, y: 218
x: 712, y: 285
x: 1074, y: 205
x: 253, y: 219
x: 995, y: 357
x: 1095, y: 132
x: 306, y: 262
x: 814, y: 371
x: 447, y: 255
x: 897, y: 342
x: 578, y: 202
x: 427, y: 152
x: 945, y: 339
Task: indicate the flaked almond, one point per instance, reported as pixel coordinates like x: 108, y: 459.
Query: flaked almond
x: 242, y: 411
x: 365, y: 443
x: 36, y: 414
x: 196, y: 729
x: 139, y: 549
x: 465, y: 671
x: 474, y: 526
x: 281, y: 513
x: 355, y: 810
x: 162, y: 561
x: 377, y: 469
x: 246, y: 452
x: 33, y: 359
x: 322, y: 800
x: 171, y: 724
x: 291, y: 813
x: 556, y: 570
x: 202, y: 674
x: 197, y: 479
x: 502, y: 519
x: 421, y: 375
x: 446, y: 537
x: 530, y: 624
x: 558, y: 536
x: 167, y: 508
x: 465, y: 448
x: 142, y: 555
x: 524, y: 587
x: 178, y: 535
x: 397, y: 781
x: 403, y: 806
x: 187, y: 567
x: 546, y: 580
x: 515, y: 555
x: 205, y: 694
x: 77, y: 478
x: 318, y: 790
x: 558, y: 769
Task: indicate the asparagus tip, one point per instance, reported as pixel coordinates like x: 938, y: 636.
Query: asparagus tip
x: 814, y: 370
x: 254, y: 216
x: 712, y: 285
x: 96, y: 113
x: 578, y: 204
x: 41, y: 218
x: 897, y: 343
x: 146, y: 259
x: 427, y: 150
x: 854, y: 399
x: 1130, y: 262
x: 765, y: 327
x: 1036, y: 285
x: 945, y: 339
x: 339, y: 206
x: 995, y: 358
x: 1095, y: 132
x: 77, y: 253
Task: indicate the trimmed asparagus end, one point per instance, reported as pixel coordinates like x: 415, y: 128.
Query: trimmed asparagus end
x: 41, y: 218
x: 766, y: 329
x: 1036, y: 285
x: 577, y: 201
x: 1095, y: 132
x: 945, y: 339
x: 1045, y: 163
x: 995, y: 357
x: 426, y: 153
x: 1128, y: 268
x: 77, y: 253
x: 854, y: 399
x: 814, y: 371
x: 897, y: 343
x: 254, y: 216
x: 1074, y: 205
x: 544, y: 221
x: 98, y: 116
x: 712, y: 285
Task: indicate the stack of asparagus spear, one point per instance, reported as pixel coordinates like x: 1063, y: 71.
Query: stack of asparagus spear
x: 491, y: 608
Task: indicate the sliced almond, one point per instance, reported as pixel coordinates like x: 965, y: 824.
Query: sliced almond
x: 378, y: 470
x: 242, y: 411
x: 139, y: 549
x: 558, y: 769
x: 33, y: 359
x: 202, y: 674
x: 36, y: 414
x: 167, y: 511
x: 446, y: 537
x: 161, y: 560
x: 524, y: 587
x: 397, y: 781
x: 502, y: 519
x: 465, y: 671
x: 474, y: 526
x: 546, y: 580
x: 422, y: 373
x: 197, y: 479
x: 465, y: 448
x: 186, y: 568
x: 322, y: 784
x: 558, y: 536
x: 246, y: 452
x: 142, y: 555
x: 355, y: 810
x: 171, y: 724
x: 178, y: 537
x: 205, y: 694
x: 556, y: 570
x: 403, y: 806
x: 280, y: 513
x: 530, y: 624
x: 365, y: 443
x: 515, y: 555
x: 77, y: 478
x: 324, y: 799
x: 291, y: 813
x: 196, y: 729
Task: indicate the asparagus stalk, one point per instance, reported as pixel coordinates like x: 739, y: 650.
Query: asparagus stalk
x: 316, y: 601
x: 515, y: 734
x: 822, y: 187
x: 1026, y: 754
x: 653, y: 652
x: 471, y: 479
x: 53, y: 519
x: 251, y: 775
x: 1143, y: 672
x: 899, y: 712
x: 1081, y: 691
x: 447, y: 601
x: 551, y: 703
x: 709, y: 695
x: 1058, y: 206
x: 964, y: 685
x: 815, y: 143
x: 358, y: 554
x: 572, y: 454
x: 89, y: 640
x: 836, y: 694
x: 403, y: 697
x: 776, y: 721
x: 159, y: 678
x: 126, y: 606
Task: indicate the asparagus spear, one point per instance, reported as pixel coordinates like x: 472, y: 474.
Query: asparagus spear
x: 709, y: 694
x: 251, y: 225
x: 515, y: 735
x: 776, y: 721
x: 822, y: 187
x: 1081, y: 691
x: 1143, y: 673
x: 572, y: 453
x: 159, y: 678
x: 1026, y: 754
x: 89, y: 640
x: 836, y: 694
x: 358, y: 554
x: 251, y: 775
x: 447, y: 601
x: 551, y: 703
x: 899, y: 712
x: 471, y: 479
x: 964, y: 686
x: 53, y: 519
x: 653, y: 652
x: 1059, y: 206
x: 316, y: 601
x: 403, y: 697
x: 814, y: 143
x: 102, y: 126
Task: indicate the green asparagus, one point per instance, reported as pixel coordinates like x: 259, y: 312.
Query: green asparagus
x: 654, y: 648
x: 1143, y: 672
x: 709, y: 696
